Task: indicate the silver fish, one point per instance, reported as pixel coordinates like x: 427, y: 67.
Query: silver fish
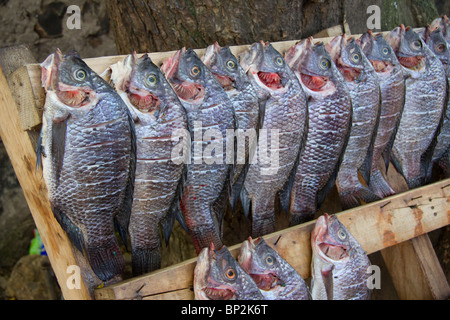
x: 392, y: 87
x: 282, y: 129
x: 229, y: 73
x: 217, y: 276
x: 88, y: 144
x: 329, y: 125
x: 340, y: 267
x: 160, y: 120
x: 424, y: 105
x: 362, y: 82
x: 276, y: 278
x: 210, y: 119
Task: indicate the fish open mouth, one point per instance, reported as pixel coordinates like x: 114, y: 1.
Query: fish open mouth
x: 332, y: 251
x: 74, y: 97
x: 143, y: 100
x: 314, y: 83
x: 225, y: 81
x: 272, y: 80
x: 265, y: 281
x: 218, y: 293
x: 349, y: 73
x: 188, y: 91
x: 381, y: 66
x: 415, y: 62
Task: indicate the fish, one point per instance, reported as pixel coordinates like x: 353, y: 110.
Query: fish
x: 210, y: 115
x: 160, y: 122
x: 226, y: 68
x: 275, y: 277
x: 438, y: 40
x: 340, y: 267
x: 424, y: 105
x: 329, y: 125
x: 218, y: 276
x: 442, y: 23
x: 362, y: 82
x: 392, y: 88
x: 87, y: 147
x: 283, y: 118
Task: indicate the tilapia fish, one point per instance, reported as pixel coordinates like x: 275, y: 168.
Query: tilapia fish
x: 392, y: 87
x: 424, y: 105
x: 160, y: 120
x: 225, y: 67
x: 362, y: 81
x: 87, y: 142
x: 276, y: 278
x: 282, y: 129
x: 438, y: 40
x: 210, y: 119
x: 340, y: 267
x: 330, y: 120
x: 217, y: 276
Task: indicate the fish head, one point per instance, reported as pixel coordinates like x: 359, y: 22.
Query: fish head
x: 437, y: 43
x: 187, y: 75
x: 266, y: 66
x: 224, y: 66
x: 146, y: 86
x: 216, y: 276
x: 443, y: 24
x: 347, y: 56
x: 378, y: 51
x: 260, y: 261
x: 313, y: 65
x: 330, y: 240
x: 409, y: 47
x: 70, y: 78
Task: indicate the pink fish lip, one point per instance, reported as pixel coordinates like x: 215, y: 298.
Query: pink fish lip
x: 324, y: 244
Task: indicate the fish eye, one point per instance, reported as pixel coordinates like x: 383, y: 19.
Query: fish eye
x: 231, y: 64
x: 278, y: 61
x: 341, y: 234
x: 324, y: 64
x: 269, y: 260
x: 355, y: 57
x: 385, y: 51
x: 230, y: 274
x: 79, y: 75
x: 416, y: 45
x: 195, y: 71
x: 152, y: 80
x: 440, y: 47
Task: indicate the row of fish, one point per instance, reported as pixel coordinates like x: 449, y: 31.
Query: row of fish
x: 329, y: 111
x: 339, y: 270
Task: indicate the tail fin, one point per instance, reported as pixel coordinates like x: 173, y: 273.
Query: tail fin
x: 351, y: 198
x: 379, y: 185
x: 105, y: 258
x: 145, y: 260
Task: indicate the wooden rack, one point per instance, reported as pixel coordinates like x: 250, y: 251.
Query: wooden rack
x: 397, y: 226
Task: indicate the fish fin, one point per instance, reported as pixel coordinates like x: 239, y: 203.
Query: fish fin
x: 262, y: 112
x: 236, y: 189
x: 246, y: 202
x: 379, y: 185
x: 105, y: 258
x: 218, y: 208
x: 351, y: 198
x: 366, y: 167
x: 39, y: 153
x: 59, y: 128
x: 122, y: 219
x: 73, y: 232
x: 327, y: 279
x: 145, y: 260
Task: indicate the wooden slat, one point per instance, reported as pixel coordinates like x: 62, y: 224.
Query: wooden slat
x: 376, y: 226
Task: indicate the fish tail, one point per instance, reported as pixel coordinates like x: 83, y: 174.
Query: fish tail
x: 263, y: 223
x: 145, y: 260
x: 203, y: 237
x: 105, y: 258
x: 379, y: 185
x: 351, y: 198
x: 303, y: 205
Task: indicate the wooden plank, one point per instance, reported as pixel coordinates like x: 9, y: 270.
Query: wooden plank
x: 376, y: 226
x: 23, y: 159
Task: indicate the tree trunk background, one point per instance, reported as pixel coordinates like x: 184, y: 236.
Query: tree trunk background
x: 166, y: 25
